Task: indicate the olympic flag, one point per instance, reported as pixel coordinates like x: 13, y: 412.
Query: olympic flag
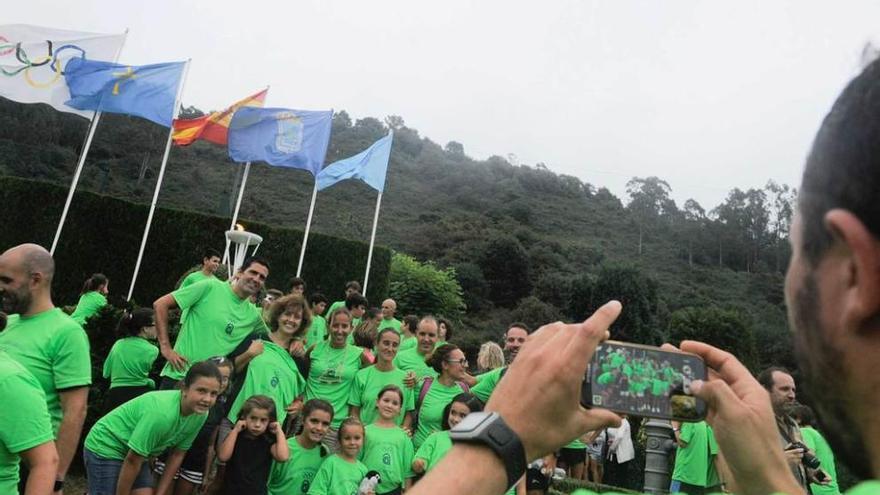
x: 32, y: 61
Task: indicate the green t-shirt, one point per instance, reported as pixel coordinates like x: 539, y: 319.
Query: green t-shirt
x: 273, y: 373
x: 55, y: 349
x: 576, y: 444
x: 365, y: 390
x: 89, y: 304
x: 217, y: 322
x: 392, y: 323
x: 338, y: 477
x: 317, y: 331
x: 407, y: 343
x: 147, y: 425
x: 129, y: 363
x: 196, y: 276
x: 411, y: 360
x: 817, y: 443
x: 331, y: 376
x: 431, y: 409
x: 434, y: 449
x: 694, y: 463
x: 295, y: 476
x: 25, y: 420
x: 486, y: 384
x: 871, y: 487
x: 389, y: 451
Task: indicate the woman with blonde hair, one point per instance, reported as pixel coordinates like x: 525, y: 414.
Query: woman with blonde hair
x: 490, y: 357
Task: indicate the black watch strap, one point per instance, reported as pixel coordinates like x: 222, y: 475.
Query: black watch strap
x: 491, y: 431
x: 59, y: 485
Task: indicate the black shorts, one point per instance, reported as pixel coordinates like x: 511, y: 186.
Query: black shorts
x: 535, y: 480
x: 572, y: 457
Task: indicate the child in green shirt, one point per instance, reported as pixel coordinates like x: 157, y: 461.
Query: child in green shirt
x: 388, y: 450
x: 342, y: 473
x: 295, y: 476
x: 131, y: 358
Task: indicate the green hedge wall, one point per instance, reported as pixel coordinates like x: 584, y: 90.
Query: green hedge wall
x: 103, y: 234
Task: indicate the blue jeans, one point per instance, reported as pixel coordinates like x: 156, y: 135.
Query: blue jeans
x: 104, y: 473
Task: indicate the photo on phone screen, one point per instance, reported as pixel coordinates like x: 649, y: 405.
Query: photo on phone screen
x: 644, y: 381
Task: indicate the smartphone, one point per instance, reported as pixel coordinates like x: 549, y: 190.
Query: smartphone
x: 644, y: 381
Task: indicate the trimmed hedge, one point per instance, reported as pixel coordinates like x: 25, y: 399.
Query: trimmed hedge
x: 103, y: 234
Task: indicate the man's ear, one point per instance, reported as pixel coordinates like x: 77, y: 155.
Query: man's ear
x: 861, y: 251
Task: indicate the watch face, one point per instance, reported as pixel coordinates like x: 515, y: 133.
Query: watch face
x: 471, y: 422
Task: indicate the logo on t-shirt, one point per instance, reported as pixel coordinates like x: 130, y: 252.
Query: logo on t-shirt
x: 229, y: 328
x: 274, y: 381
x: 386, y: 459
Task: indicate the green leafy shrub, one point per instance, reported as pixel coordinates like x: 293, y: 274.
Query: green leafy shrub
x: 423, y: 288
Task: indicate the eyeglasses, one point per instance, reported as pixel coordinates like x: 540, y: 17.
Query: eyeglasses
x: 462, y: 361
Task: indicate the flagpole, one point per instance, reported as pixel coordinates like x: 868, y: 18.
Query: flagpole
x: 93, y: 124
x: 302, y: 253
x: 140, y: 257
x: 372, y: 241
x: 247, y: 169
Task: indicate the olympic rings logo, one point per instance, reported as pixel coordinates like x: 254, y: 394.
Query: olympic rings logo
x: 52, y: 59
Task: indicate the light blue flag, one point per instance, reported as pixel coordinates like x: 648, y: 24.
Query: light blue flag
x: 147, y: 91
x: 280, y: 136
x: 369, y: 165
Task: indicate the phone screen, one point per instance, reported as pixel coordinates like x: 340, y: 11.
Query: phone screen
x: 644, y: 381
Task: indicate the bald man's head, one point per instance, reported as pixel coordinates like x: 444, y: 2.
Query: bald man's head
x: 26, y: 273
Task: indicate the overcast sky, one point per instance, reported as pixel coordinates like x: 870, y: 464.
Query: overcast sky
x: 708, y: 95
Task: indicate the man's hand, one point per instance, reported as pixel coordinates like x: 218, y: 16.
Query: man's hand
x: 297, y: 348
x: 294, y: 407
x: 539, y: 397
x: 743, y: 423
x: 409, y: 381
x: 176, y: 361
x: 794, y: 456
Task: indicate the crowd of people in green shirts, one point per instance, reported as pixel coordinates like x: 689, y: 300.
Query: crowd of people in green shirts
x: 283, y: 395
x: 269, y: 396
x: 640, y: 384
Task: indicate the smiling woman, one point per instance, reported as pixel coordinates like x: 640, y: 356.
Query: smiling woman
x: 120, y: 443
x: 265, y: 365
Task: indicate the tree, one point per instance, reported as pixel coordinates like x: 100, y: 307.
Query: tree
x: 422, y: 288
x: 506, y: 269
x: 745, y: 217
x: 694, y: 222
x: 394, y: 122
x: 649, y: 199
x: 454, y: 148
x: 726, y: 329
x: 535, y: 312
x: 638, y: 294
x: 783, y: 198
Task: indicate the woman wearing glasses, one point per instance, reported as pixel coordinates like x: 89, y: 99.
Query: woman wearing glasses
x: 434, y: 394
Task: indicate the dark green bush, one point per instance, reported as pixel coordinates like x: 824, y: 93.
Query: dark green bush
x: 103, y: 234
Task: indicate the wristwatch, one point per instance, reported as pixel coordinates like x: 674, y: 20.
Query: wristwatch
x: 490, y: 430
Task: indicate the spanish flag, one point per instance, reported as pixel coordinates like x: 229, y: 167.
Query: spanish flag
x: 215, y: 126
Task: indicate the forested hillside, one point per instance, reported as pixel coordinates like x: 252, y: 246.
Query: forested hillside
x: 525, y: 243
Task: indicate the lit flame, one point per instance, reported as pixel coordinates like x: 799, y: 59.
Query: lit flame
x: 239, y: 227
